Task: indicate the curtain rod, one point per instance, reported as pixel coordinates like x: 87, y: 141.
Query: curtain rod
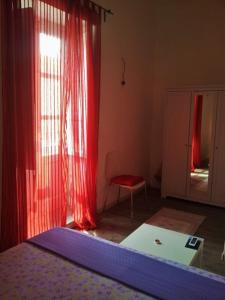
x: 105, y: 11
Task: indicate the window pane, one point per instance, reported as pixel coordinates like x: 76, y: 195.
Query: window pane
x: 50, y: 137
x: 26, y: 3
x: 50, y: 66
x: 50, y: 97
x: 49, y: 45
x: 50, y: 13
x: 77, y: 146
x: 50, y: 54
x: 50, y: 93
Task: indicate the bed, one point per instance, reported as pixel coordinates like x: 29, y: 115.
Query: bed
x: 66, y: 264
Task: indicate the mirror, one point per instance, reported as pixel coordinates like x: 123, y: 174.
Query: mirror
x: 201, y: 141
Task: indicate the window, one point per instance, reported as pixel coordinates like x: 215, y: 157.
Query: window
x: 50, y: 93
x: 79, y: 145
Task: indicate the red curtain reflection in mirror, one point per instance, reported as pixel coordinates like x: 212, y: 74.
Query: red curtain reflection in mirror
x: 196, y: 138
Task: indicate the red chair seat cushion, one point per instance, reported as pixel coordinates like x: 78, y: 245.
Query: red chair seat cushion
x: 128, y: 180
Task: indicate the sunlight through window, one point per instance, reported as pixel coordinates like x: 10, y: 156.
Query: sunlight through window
x: 49, y: 45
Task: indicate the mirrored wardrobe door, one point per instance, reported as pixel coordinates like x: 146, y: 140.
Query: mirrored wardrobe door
x: 175, y: 150
x: 201, y: 145
x: 218, y: 192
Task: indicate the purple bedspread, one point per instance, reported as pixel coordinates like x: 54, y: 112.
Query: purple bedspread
x: 153, y: 277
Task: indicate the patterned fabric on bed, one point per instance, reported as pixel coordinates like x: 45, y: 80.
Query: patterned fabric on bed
x: 27, y: 272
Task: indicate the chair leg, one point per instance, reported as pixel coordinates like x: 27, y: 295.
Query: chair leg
x: 118, y: 196
x: 131, y: 205
x: 145, y: 191
x: 106, y: 193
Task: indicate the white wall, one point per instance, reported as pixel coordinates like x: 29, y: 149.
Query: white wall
x: 125, y: 110
x: 189, y: 50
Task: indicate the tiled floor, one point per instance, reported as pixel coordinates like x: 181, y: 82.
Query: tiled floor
x: 115, y: 224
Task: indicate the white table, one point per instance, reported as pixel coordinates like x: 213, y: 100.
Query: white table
x: 172, y: 245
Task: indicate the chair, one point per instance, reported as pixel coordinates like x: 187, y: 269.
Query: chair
x: 129, y: 182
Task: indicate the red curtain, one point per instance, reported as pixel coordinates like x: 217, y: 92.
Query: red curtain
x: 196, y: 138
x: 51, y: 84
x: 83, y: 110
